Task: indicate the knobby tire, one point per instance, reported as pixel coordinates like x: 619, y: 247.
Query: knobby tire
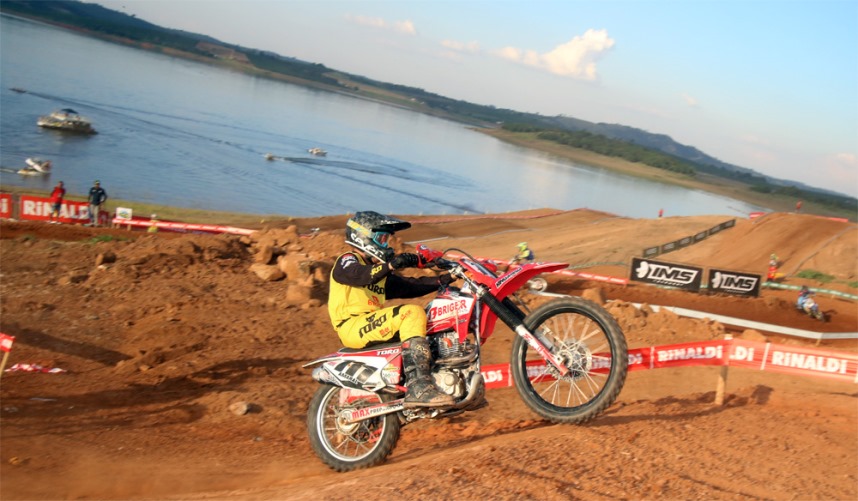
x: 372, y: 440
x: 594, y: 347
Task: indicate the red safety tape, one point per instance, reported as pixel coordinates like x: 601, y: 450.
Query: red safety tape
x: 730, y: 352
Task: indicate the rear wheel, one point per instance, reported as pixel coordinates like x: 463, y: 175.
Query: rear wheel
x: 591, y: 344
x: 348, y: 446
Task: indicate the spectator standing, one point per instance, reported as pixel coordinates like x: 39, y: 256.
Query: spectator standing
x: 153, y: 228
x: 798, y: 206
x: 57, y: 196
x: 96, y: 199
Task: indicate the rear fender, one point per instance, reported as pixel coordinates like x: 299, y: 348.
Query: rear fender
x: 368, y: 369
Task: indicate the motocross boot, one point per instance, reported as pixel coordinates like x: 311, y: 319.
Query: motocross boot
x: 422, y: 391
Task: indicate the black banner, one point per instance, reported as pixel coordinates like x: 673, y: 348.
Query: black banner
x: 686, y: 241
x: 734, y: 282
x: 650, y: 252
x: 674, y: 275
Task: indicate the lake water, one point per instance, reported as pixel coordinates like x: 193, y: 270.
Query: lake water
x: 181, y: 133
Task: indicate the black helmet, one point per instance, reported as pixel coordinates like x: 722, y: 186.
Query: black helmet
x: 804, y: 290
x: 369, y: 231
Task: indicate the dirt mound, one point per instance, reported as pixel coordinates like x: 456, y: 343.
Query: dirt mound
x: 164, y: 336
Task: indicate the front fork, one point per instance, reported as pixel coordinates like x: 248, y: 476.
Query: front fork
x: 513, y: 317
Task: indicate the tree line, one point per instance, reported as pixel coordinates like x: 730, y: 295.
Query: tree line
x: 606, y: 146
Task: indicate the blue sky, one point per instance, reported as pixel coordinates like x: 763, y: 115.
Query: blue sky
x: 768, y: 85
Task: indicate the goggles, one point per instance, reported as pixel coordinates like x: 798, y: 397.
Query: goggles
x: 381, y: 238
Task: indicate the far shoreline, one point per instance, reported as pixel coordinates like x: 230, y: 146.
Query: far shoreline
x: 703, y: 182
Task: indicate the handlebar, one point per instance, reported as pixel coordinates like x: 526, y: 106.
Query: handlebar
x: 444, y: 264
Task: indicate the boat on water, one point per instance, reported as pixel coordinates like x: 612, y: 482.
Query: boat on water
x: 36, y: 167
x: 43, y: 166
x: 319, y: 152
x: 66, y: 119
x: 27, y: 171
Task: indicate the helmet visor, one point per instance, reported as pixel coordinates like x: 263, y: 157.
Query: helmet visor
x: 381, y: 238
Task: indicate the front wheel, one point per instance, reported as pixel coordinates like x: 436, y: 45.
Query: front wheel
x: 537, y: 284
x: 591, y: 344
x: 348, y: 446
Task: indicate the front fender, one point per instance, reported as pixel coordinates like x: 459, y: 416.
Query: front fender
x: 515, y: 279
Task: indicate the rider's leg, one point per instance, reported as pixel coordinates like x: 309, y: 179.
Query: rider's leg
x: 406, y: 323
x: 422, y: 392
x: 417, y: 360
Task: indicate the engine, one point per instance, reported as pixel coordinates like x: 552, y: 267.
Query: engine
x: 453, y: 359
x: 447, y: 350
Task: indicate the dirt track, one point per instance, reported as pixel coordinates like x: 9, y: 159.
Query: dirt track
x: 160, y: 342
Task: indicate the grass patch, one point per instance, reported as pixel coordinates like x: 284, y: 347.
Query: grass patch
x: 815, y: 275
x: 108, y: 238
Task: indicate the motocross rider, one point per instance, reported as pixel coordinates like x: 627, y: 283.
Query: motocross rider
x: 802, y: 297
x: 773, y: 267
x: 360, y: 284
x: 524, y: 254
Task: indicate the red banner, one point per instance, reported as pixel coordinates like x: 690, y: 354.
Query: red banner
x: 178, y: 227
x: 594, y: 277
x: 733, y: 352
x: 6, y: 342
x: 794, y: 360
x: 71, y: 212
x: 5, y: 205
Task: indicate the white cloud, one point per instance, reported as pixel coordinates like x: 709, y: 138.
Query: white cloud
x: 406, y: 27
x: 510, y: 53
x: 470, y: 47
x: 755, y: 140
x: 689, y: 100
x: 847, y: 159
x: 373, y: 22
x: 576, y: 58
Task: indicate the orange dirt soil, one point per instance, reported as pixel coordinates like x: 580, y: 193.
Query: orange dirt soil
x: 161, y: 340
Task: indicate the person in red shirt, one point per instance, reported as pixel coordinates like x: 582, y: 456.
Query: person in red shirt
x: 57, y: 202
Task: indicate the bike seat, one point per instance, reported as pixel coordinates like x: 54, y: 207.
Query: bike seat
x: 371, y: 346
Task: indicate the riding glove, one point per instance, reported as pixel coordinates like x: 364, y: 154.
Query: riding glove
x: 405, y: 260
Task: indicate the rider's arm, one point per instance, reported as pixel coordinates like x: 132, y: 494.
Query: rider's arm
x: 399, y: 287
x: 349, y: 270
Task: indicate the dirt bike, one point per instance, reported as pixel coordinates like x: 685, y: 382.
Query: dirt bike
x: 811, y: 308
x: 569, y: 362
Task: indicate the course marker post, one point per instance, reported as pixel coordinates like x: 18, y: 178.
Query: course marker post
x: 5, y: 346
x: 721, y: 388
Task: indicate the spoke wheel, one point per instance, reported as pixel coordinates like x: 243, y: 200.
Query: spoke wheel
x: 537, y: 284
x: 591, y: 344
x: 348, y: 446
